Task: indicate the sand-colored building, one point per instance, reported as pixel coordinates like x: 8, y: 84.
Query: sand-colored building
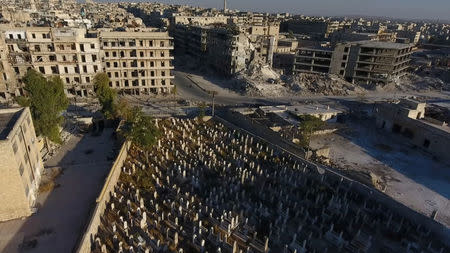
x: 20, y: 164
x: 138, y: 61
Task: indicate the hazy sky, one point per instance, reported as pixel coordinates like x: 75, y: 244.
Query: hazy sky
x: 431, y: 9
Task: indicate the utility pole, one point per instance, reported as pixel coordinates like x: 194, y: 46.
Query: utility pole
x: 224, y: 5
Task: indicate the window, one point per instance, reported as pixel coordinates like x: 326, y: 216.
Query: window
x: 163, y: 82
x: 161, y: 44
x: 37, y: 48
x: 66, y: 70
x: 82, y: 47
x: 152, y: 64
x: 33, y: 35
x: 19, y: 36
x: 163, y: 73
x: 85, y: 69
x: 54, y: 69
x: 162, y: 54
x: 126, y: 83
x: 141, y: 54
x: 107, y: 54
x: 343, y: 65
x: 67, y: 80
x: 152, y: 73
x: 52, y: 57
x: 141, y: 43
x: 42, y: 70
x: 109, y: 74
x: 88, y: 79
x: 94, y: 58
x: 95, y: 68
x: 108, y: 64
x: 116, y: 74
x: 77, y: 70
x: 76, y: 79
x: 105, y: 44
x: 83, y: 58
x: 92, y: 46
x: 142, y: 64
x: 113, y: 44
x: 162, y: 64
x: 11, y: 36
x: 124, y: 64
x: 114, y: 54
x: 116, y: 64
x: 151, y: 43
x: 124, y: 74
x: 153, y: 82
x: 426, y: 143
x: 151, y: 54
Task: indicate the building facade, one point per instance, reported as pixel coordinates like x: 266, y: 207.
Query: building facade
x: 362, y: 62
x: 20, y: 164
x: 138, y: 62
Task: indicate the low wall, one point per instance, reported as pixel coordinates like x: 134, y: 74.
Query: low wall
x: 110, y: 181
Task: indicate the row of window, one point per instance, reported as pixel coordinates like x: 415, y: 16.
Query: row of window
x: 55, y: 70
x: 136, y: 83
x: 132, y: 53
x: 134, y: 64
x: 132, y: 43
x: 134, y: 74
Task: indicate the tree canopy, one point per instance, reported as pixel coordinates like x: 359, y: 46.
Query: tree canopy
x: 308, y: 125
x: 140, y: 129
x: 47, y: 100
x: 106, y: 95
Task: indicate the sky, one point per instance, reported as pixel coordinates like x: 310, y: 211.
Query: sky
x: 410, y: 9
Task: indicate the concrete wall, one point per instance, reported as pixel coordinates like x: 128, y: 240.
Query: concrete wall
x: 102, y: 200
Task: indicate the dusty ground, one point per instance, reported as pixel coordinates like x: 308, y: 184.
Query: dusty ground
x: 64, y: 211
x: 408, y: 175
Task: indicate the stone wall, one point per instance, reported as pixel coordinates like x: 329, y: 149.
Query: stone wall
x: 103, y: 198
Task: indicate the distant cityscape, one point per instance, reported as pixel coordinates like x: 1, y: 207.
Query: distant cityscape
x: 152, y: 127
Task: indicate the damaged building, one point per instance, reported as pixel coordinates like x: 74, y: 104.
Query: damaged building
x: 407, y: 119
x: 362, y: 62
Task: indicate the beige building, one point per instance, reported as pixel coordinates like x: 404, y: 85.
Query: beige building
x: 407, y: 119
x: 20, y: 164
x: 67, y: 52
x: 138, y: 62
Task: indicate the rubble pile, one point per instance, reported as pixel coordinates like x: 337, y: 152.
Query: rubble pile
x: 421, y: 83
x: 324, y: 84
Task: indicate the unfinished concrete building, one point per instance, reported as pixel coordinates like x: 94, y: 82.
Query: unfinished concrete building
x: 407, y: 119
x: 138, y: 61
x: 20, y: 163
x: 362, y: 62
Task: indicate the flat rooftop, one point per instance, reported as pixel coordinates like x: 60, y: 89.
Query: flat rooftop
x: 383, y: 44
x: 8, y: 119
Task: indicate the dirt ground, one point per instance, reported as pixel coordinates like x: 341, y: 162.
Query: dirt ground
x: 406, y: 174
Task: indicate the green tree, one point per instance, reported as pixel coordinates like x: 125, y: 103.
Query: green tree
x: 47, y: 100
x: 141, y: 130
x: 106, y: 95
x: 308, y: 125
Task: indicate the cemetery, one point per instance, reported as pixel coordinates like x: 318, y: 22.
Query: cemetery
x: 206, y: 187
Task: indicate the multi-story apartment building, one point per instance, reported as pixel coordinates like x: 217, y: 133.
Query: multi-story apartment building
x: 138, y: 62
x: 20, y: 163
x: 67, y: 52
x: 362, y: 62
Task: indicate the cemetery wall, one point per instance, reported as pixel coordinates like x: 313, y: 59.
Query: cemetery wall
x: 102, y: 200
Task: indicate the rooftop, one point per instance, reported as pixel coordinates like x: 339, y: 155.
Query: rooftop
x: 8, y: 118
x: 383, y: 44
